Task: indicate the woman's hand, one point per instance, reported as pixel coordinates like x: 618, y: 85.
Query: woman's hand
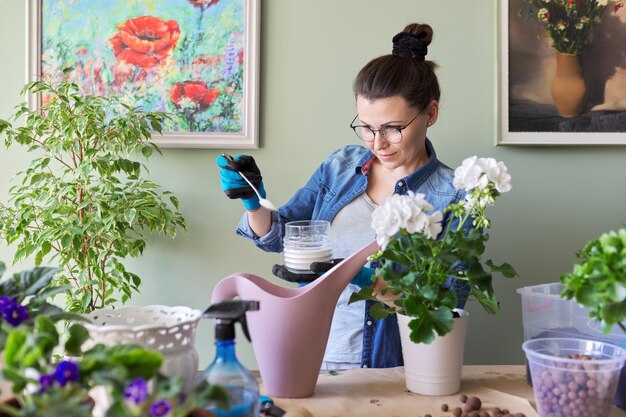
x: 234, y: 186
x: 379, y: 287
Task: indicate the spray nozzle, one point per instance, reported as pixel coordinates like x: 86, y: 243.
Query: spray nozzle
x: 227, y: 313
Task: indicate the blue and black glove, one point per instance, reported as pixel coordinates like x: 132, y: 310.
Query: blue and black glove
x: 235, y: 186
x: 362, y: 279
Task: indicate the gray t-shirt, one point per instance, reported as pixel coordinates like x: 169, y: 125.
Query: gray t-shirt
x: 350, y: 231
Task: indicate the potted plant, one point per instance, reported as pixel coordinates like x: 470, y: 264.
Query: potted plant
x: 559, y: 331
x: 419, y: 258
x: 83, y: 202
x: 45, y: 383
x: 23, y: 297
x: 598, y: 282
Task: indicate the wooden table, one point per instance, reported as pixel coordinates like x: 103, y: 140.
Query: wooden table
x: 381, y: 392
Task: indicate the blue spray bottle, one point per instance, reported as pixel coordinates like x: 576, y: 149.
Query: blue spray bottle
x: 226, y: 371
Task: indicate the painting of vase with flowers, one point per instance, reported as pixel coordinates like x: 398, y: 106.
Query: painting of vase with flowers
x: 563, y: 72
x: 194, y: 59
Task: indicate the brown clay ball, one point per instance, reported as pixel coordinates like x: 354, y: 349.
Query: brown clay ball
x: 444, y: 407
x: 463, y: 398
x: 457, y: 412
x: 474, y: 403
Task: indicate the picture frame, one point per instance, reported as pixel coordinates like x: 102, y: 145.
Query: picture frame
x: 527, y: 66
x: 208, y: 80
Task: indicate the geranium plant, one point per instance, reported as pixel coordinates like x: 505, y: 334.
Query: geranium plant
x: 599, y: 281
x: 419, y: 256
x: 83, y: 202
x: 568, y: 23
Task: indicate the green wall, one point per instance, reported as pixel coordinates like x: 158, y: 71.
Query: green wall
x: 310, y: 53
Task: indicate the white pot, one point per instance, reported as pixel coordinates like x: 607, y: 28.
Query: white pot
x: 171, y: 331
x: 434, y: 369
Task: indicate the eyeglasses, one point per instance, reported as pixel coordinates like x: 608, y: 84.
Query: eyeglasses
x: 392, y: 134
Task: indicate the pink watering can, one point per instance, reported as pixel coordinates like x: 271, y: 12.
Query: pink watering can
x: 290, y: 330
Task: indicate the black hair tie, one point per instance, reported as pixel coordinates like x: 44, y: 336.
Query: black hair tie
x: 409, y: 46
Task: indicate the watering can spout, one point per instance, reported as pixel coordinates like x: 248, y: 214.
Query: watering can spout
x: 290, y: 331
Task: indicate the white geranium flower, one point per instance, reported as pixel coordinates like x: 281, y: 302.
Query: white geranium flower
x: 385, y: 221
x: 403, y: 212
x: 461, y: 172
x: 434, y: 226
x: 478, y: 173
x: 603, y: 2
x: 486, y: 163
x: 470, y: 174
x: 500, y: 176
x: 417, y: 223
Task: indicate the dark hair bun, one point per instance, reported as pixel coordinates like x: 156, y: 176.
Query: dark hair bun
x: 413, y: 41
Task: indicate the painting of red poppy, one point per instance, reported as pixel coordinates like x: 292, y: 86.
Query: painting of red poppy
x: 197, y: 60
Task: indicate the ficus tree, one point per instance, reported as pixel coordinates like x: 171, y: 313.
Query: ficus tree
x: 84, y: 202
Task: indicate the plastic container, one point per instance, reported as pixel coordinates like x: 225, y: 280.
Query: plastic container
x: 305, y: 242
x: 546, y: 314
x: 573, y: 375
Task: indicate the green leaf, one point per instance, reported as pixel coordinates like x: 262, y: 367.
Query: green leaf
x: 36, y: 279
x: 613, y: 313
x: 85, y: 300
x: 363, y: 295
x: 15, y: 341
x: 505, y: 269
x: 18, y: 380
x: 130, y: 216
x: 146, y: 151
x: 78, y: 336
x: 379, y: 311
x: 174, y: 201
x: 138, y: 361
x: 426, y: 324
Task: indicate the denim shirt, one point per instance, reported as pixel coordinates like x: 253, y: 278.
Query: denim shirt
x: 336, y: 182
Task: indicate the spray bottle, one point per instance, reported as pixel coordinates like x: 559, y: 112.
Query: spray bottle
x: 226, y: 371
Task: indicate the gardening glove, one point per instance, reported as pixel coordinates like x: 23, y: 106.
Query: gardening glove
x: 363, y: 278
x: 235, y: 186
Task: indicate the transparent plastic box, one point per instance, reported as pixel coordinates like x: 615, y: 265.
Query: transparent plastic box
x: 546, y: 314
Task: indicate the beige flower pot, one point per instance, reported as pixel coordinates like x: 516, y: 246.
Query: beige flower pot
x: 434, y: 369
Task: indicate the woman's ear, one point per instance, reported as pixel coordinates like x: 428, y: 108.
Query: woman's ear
x: 433, y: 112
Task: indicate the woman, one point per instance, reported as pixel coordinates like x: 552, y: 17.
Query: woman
x: 397, y: 100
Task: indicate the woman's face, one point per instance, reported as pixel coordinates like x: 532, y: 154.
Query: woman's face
x: 410, y: 152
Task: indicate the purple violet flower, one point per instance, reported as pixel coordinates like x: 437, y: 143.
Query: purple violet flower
x: 136, y: 391
x: 12, y: 311
x: 46, y: 382
x: 160, y: 408
x: 65, y: 372
x: 4, y: 300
